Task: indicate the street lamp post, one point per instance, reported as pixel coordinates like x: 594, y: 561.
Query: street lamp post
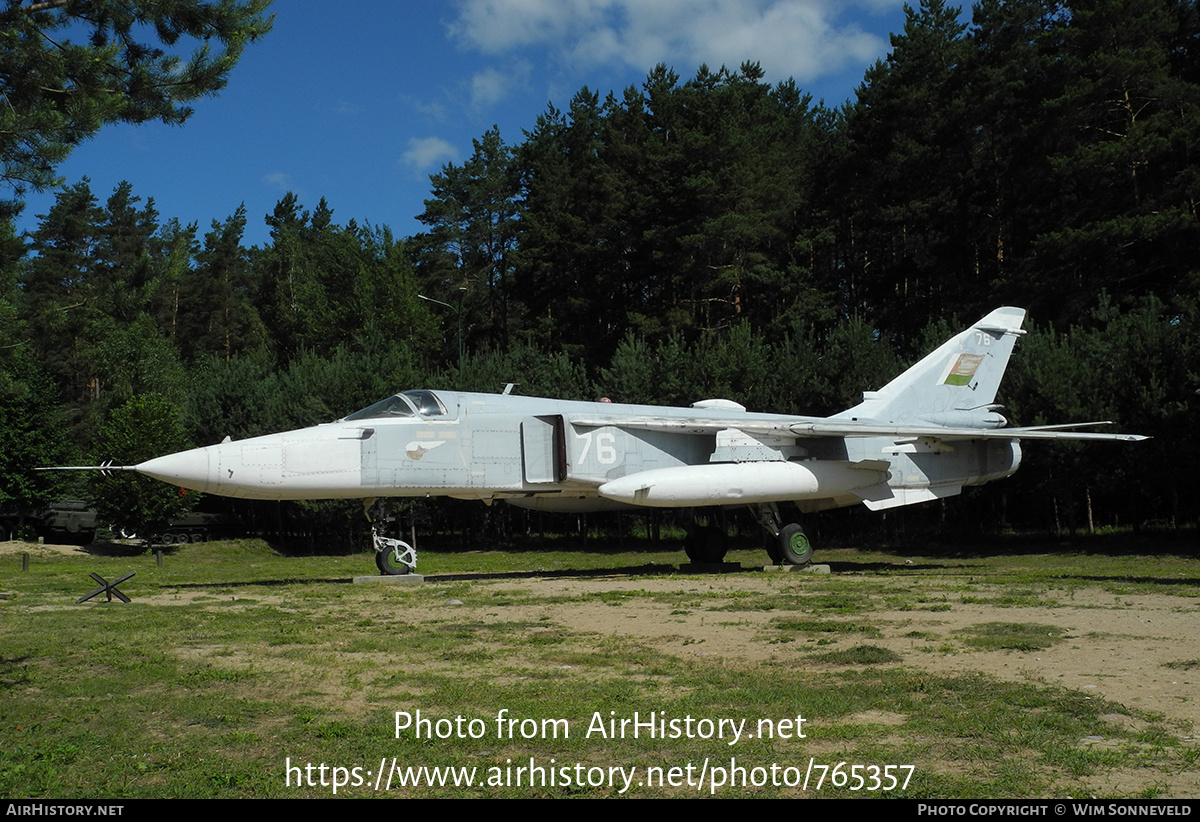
x: 458, y: 314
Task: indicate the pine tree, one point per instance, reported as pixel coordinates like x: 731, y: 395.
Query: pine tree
x: 466, y: 257
x: 221, y: 295
x: 903, y: 217
x: 70, y: 68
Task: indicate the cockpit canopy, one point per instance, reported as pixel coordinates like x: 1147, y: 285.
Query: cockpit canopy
x: 408, y: 404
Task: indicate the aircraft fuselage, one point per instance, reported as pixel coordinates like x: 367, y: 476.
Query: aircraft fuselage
x: 562, y: 455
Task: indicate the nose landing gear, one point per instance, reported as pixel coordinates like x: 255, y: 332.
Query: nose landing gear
x: 393, y: 557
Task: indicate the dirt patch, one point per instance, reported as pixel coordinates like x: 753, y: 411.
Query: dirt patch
x: 16, y: 547
x: 1133, y: 650
x: 1140, y: 651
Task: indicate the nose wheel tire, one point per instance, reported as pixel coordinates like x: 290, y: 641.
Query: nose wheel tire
x: 394, y: 557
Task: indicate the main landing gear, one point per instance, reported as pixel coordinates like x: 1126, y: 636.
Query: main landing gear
x: 786, y: 544
x: 393, y: 557
x: 705, y: 544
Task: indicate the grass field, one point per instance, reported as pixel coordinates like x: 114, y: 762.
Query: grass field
x: 1025, y: 674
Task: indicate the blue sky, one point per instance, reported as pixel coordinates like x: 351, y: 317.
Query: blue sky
x: 359, y: 101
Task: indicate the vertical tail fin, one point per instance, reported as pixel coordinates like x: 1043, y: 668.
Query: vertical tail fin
x: 955, y: 385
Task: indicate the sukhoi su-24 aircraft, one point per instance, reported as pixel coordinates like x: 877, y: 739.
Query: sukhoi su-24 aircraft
x: 923, y: 436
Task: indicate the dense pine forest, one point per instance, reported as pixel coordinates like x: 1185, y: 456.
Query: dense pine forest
x: 693, y: 237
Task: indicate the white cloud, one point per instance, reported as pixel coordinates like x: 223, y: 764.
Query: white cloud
x: 491, y: 85
x: 798, y: 38
x: 497, y: 26
x: 279, y: 180
x: 424, y: 153
x: 488, y: 87
x: 433, y: 110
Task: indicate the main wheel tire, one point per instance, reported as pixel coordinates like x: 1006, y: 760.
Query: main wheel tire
x: 390, y: 566
x: 706, y: 546
x: 794, y: 545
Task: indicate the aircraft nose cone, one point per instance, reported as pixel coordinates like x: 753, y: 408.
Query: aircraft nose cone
x: 189, y: 469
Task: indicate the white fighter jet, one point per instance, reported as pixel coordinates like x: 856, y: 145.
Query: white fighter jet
x: 923, y: 436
